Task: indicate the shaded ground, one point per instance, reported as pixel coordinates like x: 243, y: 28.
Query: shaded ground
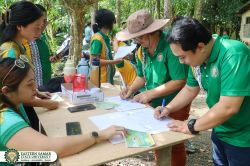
x: 202, y: 156
x: 202, y: 144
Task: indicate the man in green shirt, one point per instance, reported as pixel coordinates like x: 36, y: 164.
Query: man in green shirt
x: 159, y: 73
x: 220, y: 67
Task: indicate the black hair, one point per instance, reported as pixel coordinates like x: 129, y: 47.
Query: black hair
x: 88, y: 23
x: 12, y: 81
x: 41, y: 8
x: 175, y: 19
x: 188, y: 32
x: 104, y: 18
x: 226, y: 31
x: 20, y: 13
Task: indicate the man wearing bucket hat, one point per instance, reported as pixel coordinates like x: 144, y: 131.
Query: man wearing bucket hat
x: 159, y: 73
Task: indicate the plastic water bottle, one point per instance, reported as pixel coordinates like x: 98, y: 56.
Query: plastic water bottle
x: 95, y: 73
x: 83, y: 67
x: 69, y: 71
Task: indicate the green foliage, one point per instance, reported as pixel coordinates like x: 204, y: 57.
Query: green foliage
x: 183, y: 7
x: 5, y: 3
x: 217, y: 15
x: 222, y: 15
x: 114, y: 31
x: 58, y: 18
x: 128, y: 6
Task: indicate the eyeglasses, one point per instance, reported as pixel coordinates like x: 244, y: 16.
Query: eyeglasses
x: 20, y: 62
x: 138, y: 39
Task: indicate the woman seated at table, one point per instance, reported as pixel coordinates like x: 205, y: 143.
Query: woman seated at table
x: 17, y: 86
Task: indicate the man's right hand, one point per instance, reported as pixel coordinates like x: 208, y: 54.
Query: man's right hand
x: 161, y: 113
x: 126, y: 93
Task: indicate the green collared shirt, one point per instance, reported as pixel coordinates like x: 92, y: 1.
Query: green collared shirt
x: 227, y: 73
x: 44, y: 54
x: 160, y: 68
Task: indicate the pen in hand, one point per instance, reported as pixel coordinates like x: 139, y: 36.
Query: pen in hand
x: 123, y: 85
x: 163, y: 105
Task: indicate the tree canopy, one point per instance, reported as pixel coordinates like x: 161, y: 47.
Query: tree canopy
x: 216, y: 15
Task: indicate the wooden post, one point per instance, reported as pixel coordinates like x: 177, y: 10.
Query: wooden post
x: 164, y: 156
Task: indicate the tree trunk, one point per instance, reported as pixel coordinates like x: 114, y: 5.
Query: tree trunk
x: 76, y: 9
x: 118, y: 12
x: 158, y: 8
x: 78, y: 24
x: 71, y: 47
x: 49, y: 29
x: 168, y: 9
x: 94, y: 8
x: 198, y: 9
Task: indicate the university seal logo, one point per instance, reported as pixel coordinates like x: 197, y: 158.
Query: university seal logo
x: 160, y: 57
x: 11, y: 156
x: 214, y: 71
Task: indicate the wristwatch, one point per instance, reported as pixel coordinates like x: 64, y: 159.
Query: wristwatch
x: 95, y: 135
x: 190, y: 125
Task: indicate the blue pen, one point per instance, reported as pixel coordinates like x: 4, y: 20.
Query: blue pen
x: 163, y: 105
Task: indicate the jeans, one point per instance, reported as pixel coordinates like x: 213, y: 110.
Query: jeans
x: 225, y: 154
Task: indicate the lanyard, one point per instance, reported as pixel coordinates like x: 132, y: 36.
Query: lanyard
x: 144, y: 63
x: 197, y: 73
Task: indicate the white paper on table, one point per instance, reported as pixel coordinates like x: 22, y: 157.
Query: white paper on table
x: 56, y: 97
x: 140, y: 120
x: 124, y: 105
x: 124, y: 51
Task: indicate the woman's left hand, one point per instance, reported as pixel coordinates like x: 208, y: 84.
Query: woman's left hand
x: 51, y: 105
x: 111, y: 131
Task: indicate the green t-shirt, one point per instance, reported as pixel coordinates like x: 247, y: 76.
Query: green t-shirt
x: 227, y: 73
x: 160, y: 68
x: 96, y: 46
x: 96, y: 49
x: 44, y: 54
x: 10, y: 123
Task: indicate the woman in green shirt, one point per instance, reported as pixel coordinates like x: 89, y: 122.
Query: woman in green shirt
x: 100, y: 44
x: 23, y: 21
x: 14, y: 123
